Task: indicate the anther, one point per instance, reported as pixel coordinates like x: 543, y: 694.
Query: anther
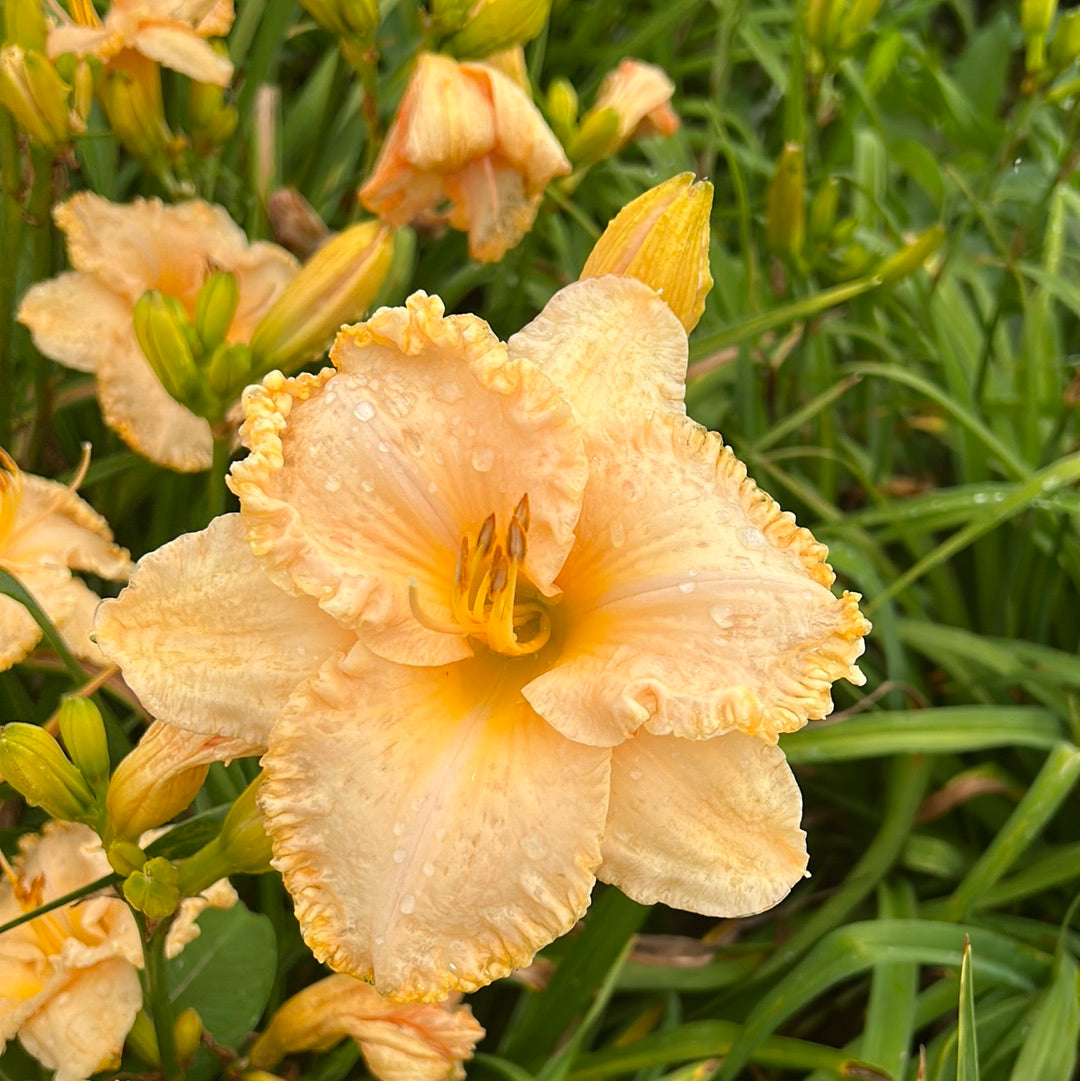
x: 486, y: 535
x: 515, y: 541
x: 522, y: 513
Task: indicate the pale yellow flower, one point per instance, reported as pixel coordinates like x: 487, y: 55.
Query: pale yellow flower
x: 506, y: 621
x: 83, y: 317
x: 640, y: 94
x: 171, y: 32
x: 69, y: 982
x: 467, y: 134
x: 399, y: 1042
x: 46, y: 530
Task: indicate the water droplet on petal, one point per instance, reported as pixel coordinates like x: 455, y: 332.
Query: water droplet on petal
x: 363, y: 410
x: 399, y: 855
x: 332, y: 483
x: 635, y: 775
x: 449, y: 392
x: 686, y: 587
x: 408, y: 905
x: 367, y: 486
x: 483, y: 458
x: 751, y: 538
x: 399, y: 829
x: 428, y: 869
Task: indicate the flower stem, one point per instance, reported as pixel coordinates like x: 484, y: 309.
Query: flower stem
x: 216, y: 492
x: 11, y: 221
x: 157, y: 994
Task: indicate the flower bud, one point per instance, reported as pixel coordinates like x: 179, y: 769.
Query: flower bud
x: 596, y: 138
x: 164, y: 336
x: 1035, y: 19
x: 215, y: 307
x: 33, y: 92
x: 562, y: 109
x: 785, y: 203
x: 912, y: 256
x: 345, y: 18
x: 1065, y: 46
x: 187, y: 1035
x: 228, y: 371
x: 33, y: 764
x: 823, y: 208
x: 82, y: 98
x: 142, y: 1039
x: 640, y: 94
x: 335, y: 286
x: 854, y: 18
x: 83, y: 732
x: 496, y: 25
x: 662, y: 239
x: 153, y: 890
x: 125, y: 857
x: 24, y: 24
x: 208, y: 118
x: 131, y: 97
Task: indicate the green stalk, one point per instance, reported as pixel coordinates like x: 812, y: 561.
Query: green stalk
x: 11, y: 221
x: 157, y: 994
x: 216, y: 492
x: 39, y: 213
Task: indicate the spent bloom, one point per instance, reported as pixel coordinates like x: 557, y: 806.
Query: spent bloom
x: 506, y: 622
x: 46, y: 531
x: 399, y: 1041
x: 169, y: 32
x: 69, y: 979
x: 466, y: 134
x: 83, y: 318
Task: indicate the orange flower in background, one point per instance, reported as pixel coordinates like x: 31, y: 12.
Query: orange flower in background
x: 46, y: 530
x: 466, y: 134
x: 169, y: 32
x: 506, y: 622
x: 639, y: 93
x: 83, y: 318
x: 399, y: 1042
x: 69, y: 980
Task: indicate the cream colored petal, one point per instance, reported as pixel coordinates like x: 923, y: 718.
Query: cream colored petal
x: 207, y: 642
x: 400, y: 1041
x: 491, y: 204
x: 56, y: 526
x: 102, y: 42
x: 434, y: 833
x: 211, y: 18
x: 144, y: 414
x: 709, y: 827
x: 522, y: 136
x: 59, y: 597
x: 181, y: 49
x: 694, y: 605
x: 446, y: 116
x: 637, y: 92
x: 75, y: 319
x: 80, y: 603
x: 262, y: 273
x: 18, y: 633
x: 82, y: 1029
x: 364, y: 481
x: 185, y: 928
x: 614, y: 349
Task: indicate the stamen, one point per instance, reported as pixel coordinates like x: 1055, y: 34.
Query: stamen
x: 515, y: 541
x: 430, y: 622
x: 522, y: 513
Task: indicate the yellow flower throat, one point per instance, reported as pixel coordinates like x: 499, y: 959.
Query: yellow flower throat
x: 484, y: 598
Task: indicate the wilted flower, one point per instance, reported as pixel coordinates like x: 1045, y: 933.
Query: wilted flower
x: 46, y: 530
x: 70, y: 987
x: 170, y: 32
x: 83, y: 317
x: 507, y: 622
x: 399, y: 1042
x: 638, y: 93
x: 466, y: 134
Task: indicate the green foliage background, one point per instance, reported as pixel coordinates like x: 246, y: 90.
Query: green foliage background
x: 924, y: 428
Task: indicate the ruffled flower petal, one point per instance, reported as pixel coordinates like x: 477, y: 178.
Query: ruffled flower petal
x: 694, y: 605
x: 710, y: 827
x: 219, y: 651
x: 362, y: 483
x: 74, y: 318
x: 434, y: 832
x: 399, y: 1041
x: 613, y: 348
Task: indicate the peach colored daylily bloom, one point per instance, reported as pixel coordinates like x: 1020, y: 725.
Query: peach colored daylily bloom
x: 639, y: 93
x: 171, y: 32
x: 69, y: 981
x: 46, y: 530
x: 467, y: 134
x: 83, y: 317
x: 506, y: 621
x: 399, y: 1042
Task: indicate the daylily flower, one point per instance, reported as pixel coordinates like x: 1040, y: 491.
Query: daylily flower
x: 46, y: 530
x: 506, y: 621
x: 83, y: 317
x: 171, y: 32
x: 639, y: 93
x: 467, y: 134
x: 69, y: 982
x: 399, y: 1042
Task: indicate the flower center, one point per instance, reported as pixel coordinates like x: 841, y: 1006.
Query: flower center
x: 491, y: 599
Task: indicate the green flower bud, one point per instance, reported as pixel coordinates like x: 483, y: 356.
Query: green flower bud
x: 187, y: 1035
x: 562, y: 110
x: 215, y: 307
x: 823, y: 208
x: 24, y: 24
x: 228, y: 371
x: 1035, y: 19
x: 785, y: 203
x: 35, y: 95
x: 164, y: 335
x: 125, y: 856
x: 33, y: 764
x: 153, y: 890
x: 912, y: 256
x: 449, y: 15
x: 142, y: 1039
x: 596, y: 138
x: 1065, y: 46
x: 497, y: 25
x: 83, y: 732
x: 345, y: 18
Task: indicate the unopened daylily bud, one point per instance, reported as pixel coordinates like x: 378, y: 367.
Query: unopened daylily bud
x: 131, y: 96
x: 140, y: 798
x: 562, y: 109
x: 33, y: 764
x: 295, y: 223
x: 854, y: 18
x: 82, y: 98
x: 187, y: 1035
x: 335, y: 286
x: 496, y: 25
x: 24, y: 24
x: 912, y: 256
x: 125, y: 857
x: 142, y: 1039
x: 33, y: 92
x: 164, y: 336
x: 228, y: 371
x: 83, y: 732
x: 662, y: 239
x: 1065, y: 45
x: 208, y: 118
x: 823, y: 208
x: 785, y: 203
x: 596, y: 138
x: 215, y: 307
x: 449, y: 15
x: 1035, y: 19
x: 345, y: 18
x: 153, y: 890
